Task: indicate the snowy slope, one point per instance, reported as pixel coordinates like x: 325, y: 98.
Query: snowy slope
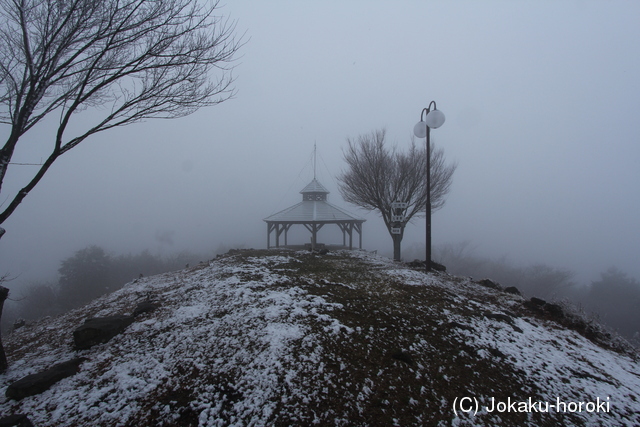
x: 348, y: 338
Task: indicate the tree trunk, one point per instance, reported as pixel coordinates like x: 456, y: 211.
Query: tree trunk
x: 4, y: 293
x: 397, y: 240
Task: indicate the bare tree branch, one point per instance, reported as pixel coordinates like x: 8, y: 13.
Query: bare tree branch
x: 136, y: 59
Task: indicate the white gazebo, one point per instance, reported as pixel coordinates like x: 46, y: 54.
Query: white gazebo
x: 314, y: 212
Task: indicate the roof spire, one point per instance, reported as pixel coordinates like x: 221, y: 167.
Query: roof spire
x: 314, y: 160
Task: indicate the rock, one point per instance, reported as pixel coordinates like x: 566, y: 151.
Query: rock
x: 144, y: 307
x: 517, y: 329
x: 538, y: 301
x: 532, y: 306
x: 554, y: 310
x: 510, y: 313
x: 460, y: 326
x: 506, y: 317
x: 18, y: 420
x: 488, y: 284
x: 536, y: 304
x: 512, y: 290
x: 541, y: 306
x: 496, y: 353
x: 403, y: 357
x: 37, y: 383
x: 437, y: 266
x: 416, y: 263
x: 19, y: 323
x: 499, y: 316
x: 99, y: 330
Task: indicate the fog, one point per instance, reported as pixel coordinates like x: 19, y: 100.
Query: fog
x: 541, y: 100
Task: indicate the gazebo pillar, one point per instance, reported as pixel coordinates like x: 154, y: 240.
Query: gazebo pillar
x: 286, y: 231
x: 344, y: 234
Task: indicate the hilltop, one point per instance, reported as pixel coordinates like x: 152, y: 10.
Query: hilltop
x: 346, y: 338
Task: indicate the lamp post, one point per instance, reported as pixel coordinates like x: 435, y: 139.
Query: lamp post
x: 429, y: 119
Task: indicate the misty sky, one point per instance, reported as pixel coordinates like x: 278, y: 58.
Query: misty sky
x: 542, y: 106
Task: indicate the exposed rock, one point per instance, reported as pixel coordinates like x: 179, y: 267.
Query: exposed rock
x: 532, y: 306
x: 517, y: 329
x: 19, y: 323
x: 499, y: 316
x: 554, y: 310
x: 18, y: 420
x: 403, y: 357
x: 416, y: 263
x: 510, y: 313
x: 487, y: 283
x: 437, y: 266
x: 512, y: 290
x: 144, y: 307
x: 542, y: 307
x: 507, y: 318
x: 100, y: 330
x: 37, y: 383
x: 538, y: 301
x: 496, y: 353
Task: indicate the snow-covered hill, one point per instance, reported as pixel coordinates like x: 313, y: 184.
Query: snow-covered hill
x: 259, y: 338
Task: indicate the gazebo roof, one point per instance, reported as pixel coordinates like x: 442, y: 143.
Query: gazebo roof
x: 314, y: 187
x: 313, y: 209
x: 310, y: 211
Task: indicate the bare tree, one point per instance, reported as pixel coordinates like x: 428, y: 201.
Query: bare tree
x: 376, y: 177
x: 128, y: 60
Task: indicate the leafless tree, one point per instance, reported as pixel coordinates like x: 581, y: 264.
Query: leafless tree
x: 377, y: 176
x: 128, y: 60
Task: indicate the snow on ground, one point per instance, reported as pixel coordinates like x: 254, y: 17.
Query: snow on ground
x: 277, y: 337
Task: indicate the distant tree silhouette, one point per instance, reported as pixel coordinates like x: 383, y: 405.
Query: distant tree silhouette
x: 538, y: 280
x: 378, y: 176
x: 85, y: 276
x: 39, y: 300
x: 90, y: 273
x: 616, y: 298
x: 546, y: 282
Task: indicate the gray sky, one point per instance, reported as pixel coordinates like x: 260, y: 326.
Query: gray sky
x: 541, y: 100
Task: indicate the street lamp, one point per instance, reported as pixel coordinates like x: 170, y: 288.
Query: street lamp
x: 433, y: 119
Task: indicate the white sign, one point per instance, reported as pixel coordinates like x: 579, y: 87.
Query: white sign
x: 396, y: 230
x: 397, y: 211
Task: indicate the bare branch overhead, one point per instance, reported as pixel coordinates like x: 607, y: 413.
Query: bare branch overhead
x: 135, y: 59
